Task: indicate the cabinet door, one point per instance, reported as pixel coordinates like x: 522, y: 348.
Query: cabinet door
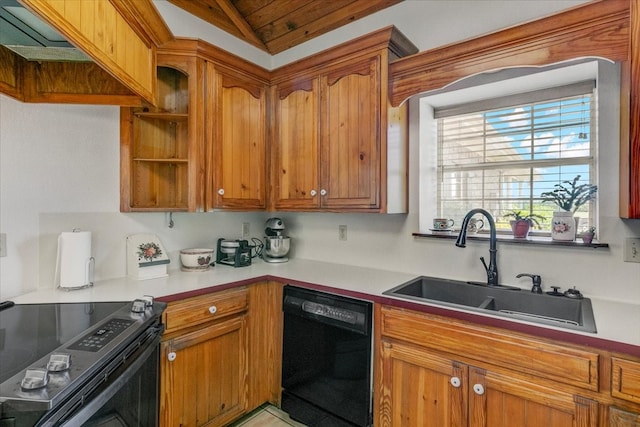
x: 620, y: 418
x: 350, y: 136
x: 238, y: 142
x: 419, y: 389
x: 295, y: 149
x: 496, y: 400
x: 203, y: 376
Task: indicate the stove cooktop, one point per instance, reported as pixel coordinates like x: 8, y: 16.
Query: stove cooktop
x: 31, y: 331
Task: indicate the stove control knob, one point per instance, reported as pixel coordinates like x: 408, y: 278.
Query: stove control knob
x: 58, y: 362
x: 34, y: 379
x: 138, y: 306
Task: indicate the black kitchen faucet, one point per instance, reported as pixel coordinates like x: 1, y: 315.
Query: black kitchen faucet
x: 461, y: 242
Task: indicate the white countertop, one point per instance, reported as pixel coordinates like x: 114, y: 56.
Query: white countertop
x: 616, y: 321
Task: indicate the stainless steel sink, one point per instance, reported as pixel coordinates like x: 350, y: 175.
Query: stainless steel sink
x: 505, y: 301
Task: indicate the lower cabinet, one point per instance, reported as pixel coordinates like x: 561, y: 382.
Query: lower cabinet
x: 221, y: 355
x: 620, y: 418
x: 203, y: 360
x: 423, y: 389
x: 429, y: 377
x: 203, y: 375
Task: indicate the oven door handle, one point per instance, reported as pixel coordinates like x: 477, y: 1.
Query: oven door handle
x: 88, y: 410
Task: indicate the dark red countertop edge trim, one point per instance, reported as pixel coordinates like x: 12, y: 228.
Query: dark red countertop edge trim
x: 599, y: 343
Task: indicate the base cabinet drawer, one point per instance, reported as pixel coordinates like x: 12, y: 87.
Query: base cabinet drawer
x: 206, y: 308
x: 625, y: 379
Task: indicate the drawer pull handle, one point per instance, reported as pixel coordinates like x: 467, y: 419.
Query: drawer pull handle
x: 221, y: 191
x: 313, y: 193
x: 478, y: 389
x: 455, y: 381
x: 213, y: 309
x: 172, y: 356
x: 323, y: 192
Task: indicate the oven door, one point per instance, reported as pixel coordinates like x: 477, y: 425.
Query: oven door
x: 129, y: 397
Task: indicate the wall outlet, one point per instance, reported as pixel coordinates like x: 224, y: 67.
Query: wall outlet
x: 245, y: 230
x: 3, y: 244
x: 632, y: 249
x: 342, y: 232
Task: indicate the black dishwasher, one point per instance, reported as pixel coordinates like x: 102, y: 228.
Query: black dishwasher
x: 326, y: 366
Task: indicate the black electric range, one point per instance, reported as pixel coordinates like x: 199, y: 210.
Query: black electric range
x: 55, y: 356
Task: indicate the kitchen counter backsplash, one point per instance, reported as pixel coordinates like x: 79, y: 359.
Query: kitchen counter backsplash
x: 612, y: 317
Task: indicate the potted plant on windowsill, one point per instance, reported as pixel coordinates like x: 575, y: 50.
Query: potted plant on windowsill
x: 569, y: 197
x: 587, y: 236
x: 522, y: 223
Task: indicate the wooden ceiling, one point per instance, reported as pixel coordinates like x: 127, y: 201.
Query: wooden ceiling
x: 277, y: 25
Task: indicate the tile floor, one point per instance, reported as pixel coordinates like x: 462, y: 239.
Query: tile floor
x: 266, y: 416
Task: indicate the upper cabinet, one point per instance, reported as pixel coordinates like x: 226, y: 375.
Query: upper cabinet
x: 606, y: 29
x: 237, y: 127
x: 162, y: 146
x: 203, y: 147
x: 128, y: 53
x: 118, y: 36
x: 331, y: 127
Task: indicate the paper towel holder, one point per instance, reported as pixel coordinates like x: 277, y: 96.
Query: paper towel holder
x: 87, y: 272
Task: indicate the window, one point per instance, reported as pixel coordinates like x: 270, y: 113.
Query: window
x: 501, y: 154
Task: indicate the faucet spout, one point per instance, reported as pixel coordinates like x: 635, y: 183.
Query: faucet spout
x: 461, y: 241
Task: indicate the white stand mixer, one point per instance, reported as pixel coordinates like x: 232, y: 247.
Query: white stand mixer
x: 276, y: 245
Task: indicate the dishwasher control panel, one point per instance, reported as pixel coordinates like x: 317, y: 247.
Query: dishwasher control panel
x: 331, y: 312
x: 337, y: 310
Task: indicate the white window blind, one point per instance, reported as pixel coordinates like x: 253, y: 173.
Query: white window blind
x: 501, y: 154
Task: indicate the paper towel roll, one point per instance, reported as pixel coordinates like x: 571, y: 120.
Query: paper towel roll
x: 75, y: 264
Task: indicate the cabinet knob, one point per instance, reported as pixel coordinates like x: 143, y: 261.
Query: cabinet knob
x: 323, y: 192
x: 455, y: 381
x: 313, y: 193
x: 478, y: 389
x: 221, y: 191
x: 213, y: 309
x: 172, y: 356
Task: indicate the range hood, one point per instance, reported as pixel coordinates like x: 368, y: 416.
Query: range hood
x: 27, y: 35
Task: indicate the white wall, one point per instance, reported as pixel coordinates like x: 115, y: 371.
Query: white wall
x: 59, y: 171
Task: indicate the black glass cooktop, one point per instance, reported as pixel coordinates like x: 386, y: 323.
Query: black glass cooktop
x: 31, y: 331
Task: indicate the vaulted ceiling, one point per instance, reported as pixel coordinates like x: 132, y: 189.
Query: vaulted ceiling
x: 277, y: 25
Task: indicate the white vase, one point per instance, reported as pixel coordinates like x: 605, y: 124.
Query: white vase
x: 563, y: 226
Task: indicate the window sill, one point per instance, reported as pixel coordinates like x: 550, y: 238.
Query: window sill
x: 508, y: 239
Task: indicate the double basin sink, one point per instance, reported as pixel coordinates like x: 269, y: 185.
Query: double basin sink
x: 503, y: 301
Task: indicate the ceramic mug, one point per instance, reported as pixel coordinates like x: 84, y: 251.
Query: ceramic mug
x: 475, y: 225
x: 442, y: 223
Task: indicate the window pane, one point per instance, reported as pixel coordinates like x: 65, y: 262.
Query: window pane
x: 503, y: 159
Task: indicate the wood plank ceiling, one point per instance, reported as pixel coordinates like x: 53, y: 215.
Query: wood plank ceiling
x: 277, y: 25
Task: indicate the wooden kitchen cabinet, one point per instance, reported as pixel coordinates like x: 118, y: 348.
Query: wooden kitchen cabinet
x: 204, y: 360
x: 237, y: 140
x: 621, y: 418
x: 334, y: 132
x: 204, y: 146
x: 428, y: 377
x: 161, y: 146
x: 221, y: 355
x: 625, y: 385
x: 327, y: 143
